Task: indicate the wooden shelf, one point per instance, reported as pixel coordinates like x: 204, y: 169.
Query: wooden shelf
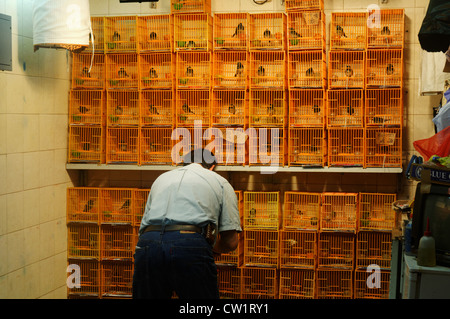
x: 224, y: 168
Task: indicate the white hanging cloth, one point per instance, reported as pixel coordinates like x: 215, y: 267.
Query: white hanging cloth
x: 61, y: 24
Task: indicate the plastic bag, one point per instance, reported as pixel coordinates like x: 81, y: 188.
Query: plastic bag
x: 438, y: 144
x: 442, y: 119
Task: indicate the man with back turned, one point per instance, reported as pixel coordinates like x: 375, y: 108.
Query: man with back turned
x: 191, y: 214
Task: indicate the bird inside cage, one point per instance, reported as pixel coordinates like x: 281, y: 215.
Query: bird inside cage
x: 191, y: 44
x: 122, y: 73
x: 239, y: 30
x: 316, y: 108
x: 310, y: 72
x: 293, y: 33
x: 153, y: 110
x: 261, y: 71
x: 89, y: 205
x: 152, y: 73
x: 186, y: 108
x: 267, y: 34
x: 348, y: 71
x: 123, y: 147
x: 83, y: 109
x: 385, y: 30
x: 116, y: 36
x: 118, y: 110
x: 340, y: 32
x: 239, y: 70
x: 189, y: 71
x: 153, y: 35
x: 232, y: 109
x: 85, y: 72
x: 389, y: 69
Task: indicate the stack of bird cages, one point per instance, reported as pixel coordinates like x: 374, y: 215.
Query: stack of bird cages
x: 87, y: 102
x: 267, y: 69
x: 301, y: 211
x: 122, y: 71
x: 102, y: 224
x: 383, y: 147
x: 156, y: 70
x: 346, y: 147
x: 267, y: 108
x: 384, y: 68
x: 120, y: 34
x: 307, y: 108
x: 230, y: 31
x: 262, y: 221
x: 155, y: 33
x: 383, y: 107
x: 191, y: 107
x: 339, y: 212
x: 298, y: 249
x: 267, y: 31
x: 229, y: 108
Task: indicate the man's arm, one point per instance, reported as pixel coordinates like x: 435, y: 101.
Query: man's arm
x: 227, y: 241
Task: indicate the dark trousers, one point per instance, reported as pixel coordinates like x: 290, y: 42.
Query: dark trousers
x: 167, y: 262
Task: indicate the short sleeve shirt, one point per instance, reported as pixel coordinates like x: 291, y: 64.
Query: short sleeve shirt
x: 192, y: 195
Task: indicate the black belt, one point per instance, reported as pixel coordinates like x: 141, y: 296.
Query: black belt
x: 174, y: 228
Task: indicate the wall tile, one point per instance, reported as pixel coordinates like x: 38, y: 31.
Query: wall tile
x: 15, y: 212
x: 31, y: 129
x: 31, y: 207
x: 14, y: 172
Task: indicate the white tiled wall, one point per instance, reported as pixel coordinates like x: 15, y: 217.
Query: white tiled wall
x: 33, y: 138
x: 33, y: 178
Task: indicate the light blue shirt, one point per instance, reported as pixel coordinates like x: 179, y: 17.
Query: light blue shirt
x: 192, y: 195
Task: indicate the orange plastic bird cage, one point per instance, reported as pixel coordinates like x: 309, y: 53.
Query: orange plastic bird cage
x: 83, y: 76
x: 378, y: 289
x: 82, y: 204
x: 384, y: 68
x: 116, y: 205
x: 373, y: 248
x: 306, y: 30
x: 267, y: 31
x: 262, y: 210
x: 234, y: 258
x: 383, y: 147
x: 376, y: 212
x: 90, y: 279
x: 83, y: 241
x: 193, y: 70
x: 120, y: 33
x: 155, y: 32
x: 230, y: 69
x: 156, y: 70
x: 267, y: 69
x: 346, y: 146
x: 334, y: 283
x: 267, y: 108
x: 140, y: 197
x: 307, y: 69
x: 301, y: 210
x: 156, y: 108
x: 122, y: 71
x: 339, y: 212
x: 229, y: 107
x: 116, y: 242
x: 307, y: 146
x: 86, y: 107
x: 230, y: 31
x: 86, y: 144
x: 336, y: 250
x: 297, y: 284
x: 383, y: 107
x: 117, y: 279
x: 298, y: 5
x: 97, y: 41
x: 122, y: 108
x: 229, y: 282
x: 259, y: 283
x: 348, y: 31
x: 228, y: 144
x: 261, y: 248
x: 122, y: 145
x: 192, y: 32
x: 345, y: 107
x: 267, y: 146
x: 190, y: 6
x: 298, y: 249
x: 387, y: 29
x: 192, y: 106
x: 346, y: 69
x: 307, y: 107
x: 156, y: 145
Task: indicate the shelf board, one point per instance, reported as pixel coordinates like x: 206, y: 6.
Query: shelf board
x: 229, y: 168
